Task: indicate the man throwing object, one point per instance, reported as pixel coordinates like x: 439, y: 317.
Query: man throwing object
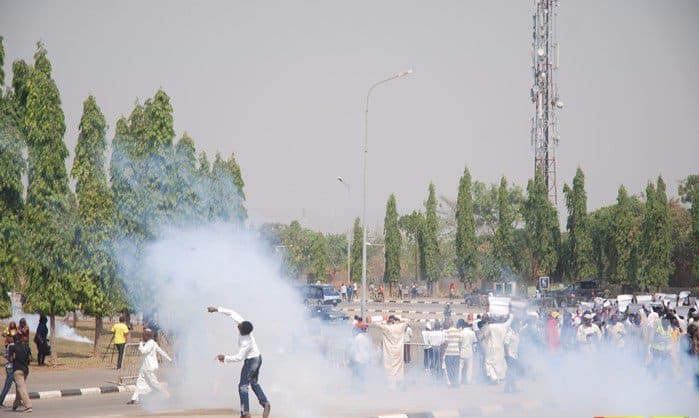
x: 249, y: 354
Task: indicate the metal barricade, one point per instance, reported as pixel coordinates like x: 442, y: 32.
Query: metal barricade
x: 129, y: 365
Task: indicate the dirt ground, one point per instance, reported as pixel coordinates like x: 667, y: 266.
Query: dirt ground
x: 72, y: 354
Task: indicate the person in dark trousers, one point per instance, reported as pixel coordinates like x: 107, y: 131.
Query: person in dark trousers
x: 250, y: 355
x: 120, y: 331
x: 9, y: 368
x: 19, y: 354
x: 41, y: 340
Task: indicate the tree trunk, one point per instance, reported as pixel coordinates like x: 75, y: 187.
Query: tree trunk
x: 75, y: 319
x: 54, y: 348
x: 417, y: 263
x: 98, y: 332
x: 390, y: 289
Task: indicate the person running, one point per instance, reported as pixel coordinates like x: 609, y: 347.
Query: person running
x: 250, y: 355
x: 120, y: 330
x: 147, y: 380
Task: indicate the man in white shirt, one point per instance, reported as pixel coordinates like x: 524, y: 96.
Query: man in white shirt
x: 468, y: 339
x: 249, y: 354
x: 147, y: 380
x: 406, y: 344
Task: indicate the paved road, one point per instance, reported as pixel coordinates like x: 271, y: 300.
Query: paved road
x: 346, y: 406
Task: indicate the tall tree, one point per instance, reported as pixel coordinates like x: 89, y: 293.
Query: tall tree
x: 227, y: 190
x: 625, y: 240
x: 185, y: 181
x: 99, y: 292
x: 579, y: 240
x: 655, y: 241
x: 413, y: 227
x: 430, y: 246
x: 12, y: 167
x: 319, y: 256
x: 356, y: 251
x: 504, y: 244
x: 466, y: 248
x: 2, y: 64
x: 50, y: 204
x: 543, y: 232
x: 689, y: 193
x: 393, y: 243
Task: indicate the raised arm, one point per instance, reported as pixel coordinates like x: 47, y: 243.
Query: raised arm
x: 235, y: 316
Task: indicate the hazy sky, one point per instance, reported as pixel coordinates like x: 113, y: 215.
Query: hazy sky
x: 283, y: 85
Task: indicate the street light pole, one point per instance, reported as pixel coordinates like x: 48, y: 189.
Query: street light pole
x: 349, y: 231
x: 366, y: 151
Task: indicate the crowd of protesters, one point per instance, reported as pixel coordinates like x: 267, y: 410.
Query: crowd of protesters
x: 486, y: 348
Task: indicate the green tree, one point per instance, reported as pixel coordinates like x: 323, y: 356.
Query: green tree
x: 413, y: 227
x: 655, y: 241
x: 187, y: 201
x: 356, y: 251
x: 689, y: 193
x: 541, y: 226
x: 12, y: 167
x: 393, y: 244
x: 466, y: 249
x: 504, y: 244
x: 430, y: 244
x: 319, y: 256
x: 50, y: 210
x: 99, y: 292
x: 625, y: 240
x: 2, y: 64
x: 579, y: 240
x: 227, y: 190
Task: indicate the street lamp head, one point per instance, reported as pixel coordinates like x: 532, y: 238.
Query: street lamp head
x: 404, y: 73
x: 340, y: 179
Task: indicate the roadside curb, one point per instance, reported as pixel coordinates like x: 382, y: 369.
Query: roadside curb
x: 50, y: 394
x: 475, y: 411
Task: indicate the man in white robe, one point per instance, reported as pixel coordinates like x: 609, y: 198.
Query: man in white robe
x: 493, y: 341
x: 147, y: 380
x: 392, y: 333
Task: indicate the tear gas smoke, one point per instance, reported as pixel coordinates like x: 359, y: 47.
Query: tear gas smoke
x: 223, y: 265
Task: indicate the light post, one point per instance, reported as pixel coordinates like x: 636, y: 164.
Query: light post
x: 349, y: 231
x: 366, y: 151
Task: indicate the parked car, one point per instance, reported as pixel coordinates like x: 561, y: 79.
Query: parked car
x: 584, y: 290
x: 327, y: 313
x: 319, y: 294
x: 478, y: 297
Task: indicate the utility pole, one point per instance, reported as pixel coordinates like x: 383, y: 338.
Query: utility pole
x: 544, y: 93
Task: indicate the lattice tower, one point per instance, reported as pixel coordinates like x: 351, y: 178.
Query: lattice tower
x: 544, y: 93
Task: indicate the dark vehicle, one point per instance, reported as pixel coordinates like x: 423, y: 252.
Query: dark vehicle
x: 319, y: 294
x: 584, y: 290
x: 588, y: 289
x: 478, y: 297
x: 327, y: 313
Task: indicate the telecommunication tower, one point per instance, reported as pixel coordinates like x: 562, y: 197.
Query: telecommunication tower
x: 544, y: 93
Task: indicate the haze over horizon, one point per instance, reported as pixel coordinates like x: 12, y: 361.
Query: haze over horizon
x: 284, y: 84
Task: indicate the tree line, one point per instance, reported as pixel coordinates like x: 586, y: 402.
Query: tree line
x: 58, y: 247
x: 500, y: 232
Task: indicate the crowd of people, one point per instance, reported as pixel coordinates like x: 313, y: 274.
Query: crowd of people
x: 493, y: 349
